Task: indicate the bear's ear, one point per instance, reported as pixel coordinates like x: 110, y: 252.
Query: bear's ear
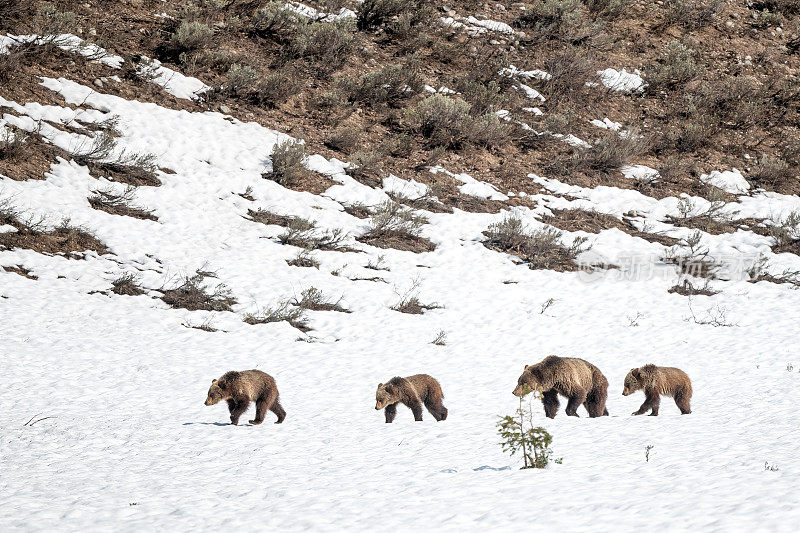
x: 527, y: 367
x: 380, y: 385
x: 213, y: 381
x: 636, y: 373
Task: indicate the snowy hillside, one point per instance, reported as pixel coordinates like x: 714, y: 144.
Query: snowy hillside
x: 102, y: 407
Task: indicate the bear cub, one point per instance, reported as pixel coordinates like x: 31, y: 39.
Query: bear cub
x: 657, y: 381
x: 413, y: 392
x: 579, y: 381
x: 241, y: 388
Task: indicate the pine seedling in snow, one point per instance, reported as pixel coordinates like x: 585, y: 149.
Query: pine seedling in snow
x: 519, y: 435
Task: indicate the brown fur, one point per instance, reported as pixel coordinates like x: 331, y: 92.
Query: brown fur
x: 241, y: 388
x: 413, y: 392
x: 657, y: 381
x: 578, y: 380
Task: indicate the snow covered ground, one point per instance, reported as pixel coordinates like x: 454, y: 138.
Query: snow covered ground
x: 129, y: 444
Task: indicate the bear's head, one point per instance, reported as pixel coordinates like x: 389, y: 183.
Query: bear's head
x: 217, y: 392
x: 633, y: 382
x: 534, y: 378
x: 385, y: 395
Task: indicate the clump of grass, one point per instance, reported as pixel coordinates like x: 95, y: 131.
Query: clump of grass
x: 688, y: 289
x: 273, y: 19
x: 314, y: 299
x: 390, y: 85
x: 126, y: 284
x: 282, y: 312
x: 343, y: 139
x: 192, y: 294
x: 305, y: 234
x: 539, y: 249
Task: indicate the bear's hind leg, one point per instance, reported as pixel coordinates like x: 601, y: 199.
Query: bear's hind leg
x: 277, y: 408
x: 550, y: 402
x: 573, y: 403
x: 390, y: 412
x: 436, y: 408
x: 682, y: 401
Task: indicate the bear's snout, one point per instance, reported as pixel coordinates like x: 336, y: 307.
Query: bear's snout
x: 626, y: 392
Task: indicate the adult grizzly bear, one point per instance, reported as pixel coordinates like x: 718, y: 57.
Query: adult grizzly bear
x: 578, y: 380
x: 659, y: 381
x: 241, y: 388
x: 412, y: 392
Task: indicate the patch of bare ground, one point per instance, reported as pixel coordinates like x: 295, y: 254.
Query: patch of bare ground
x: 357, y: 210
x: 723, y: 84
x: 270, y: 219
x: 21, y: 270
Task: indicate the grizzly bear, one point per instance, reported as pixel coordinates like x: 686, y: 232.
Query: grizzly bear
x: 659, y: 381
x: 241, y: 388
x: 412, y: 392
x: 578, y: 380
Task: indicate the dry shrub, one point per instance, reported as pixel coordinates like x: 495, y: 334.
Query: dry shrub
x: 692, y: 258
x: 403, y: 13
x: 785, y: 234
x: 272, y: 20
x: 267, y: 217
x: 563, y: 20
x: 540, y: 249
x: 409, y: 301
x: 275, y: 87
x: 190, y: 36
x: 12, y: 142
x: 305, y: 234
x: 390, y: 85
x: 610, y: 9
x: 191, y: 294
x: 344, y: 138
x: 65, y: 239
x: 117, y: 203
x: 127, y: 285
x: 569, y: 74
x: 609, y: 154
x: 313, y: 299
x: 582, y: 220
x: 687, y: 289
x: 447, y: 123
x: 785, y: 7
x: 303, y: 259
x: 690, y: 14
x: 282, y: 312
x: 326, y: 44
x: 714, y: 219
x: 397, y: 226
x: 288, y: 163
x: 772, y: 172
x: 677, y: 66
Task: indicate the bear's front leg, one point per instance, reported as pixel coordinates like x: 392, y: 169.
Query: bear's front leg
x: 237, y: 409
x: 649, y: 401
x: 390, y: 412
x: 573, y: 404
x: 416, y: 408
x: 550, y: 402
